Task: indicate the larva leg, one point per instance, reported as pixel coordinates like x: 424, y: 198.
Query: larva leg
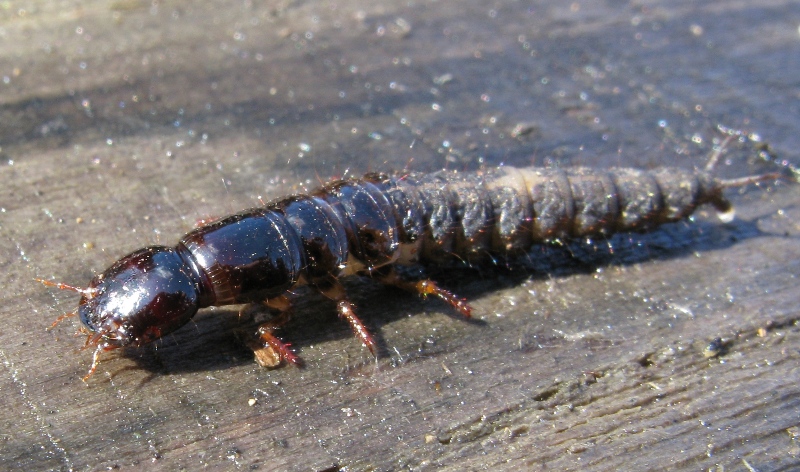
x: 336, y: 292
x: 269, y: 351
x: 428, y: 287
x: 94, y: 340
x: 95, y: 362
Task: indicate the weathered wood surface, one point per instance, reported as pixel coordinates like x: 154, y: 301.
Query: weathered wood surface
x: 121, y: 123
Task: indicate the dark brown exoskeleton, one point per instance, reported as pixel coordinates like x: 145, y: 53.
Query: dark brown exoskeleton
x: 367, y: 226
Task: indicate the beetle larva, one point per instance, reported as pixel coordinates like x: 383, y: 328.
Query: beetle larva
x: 367, y: 226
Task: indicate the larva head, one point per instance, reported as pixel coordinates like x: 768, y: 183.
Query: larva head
x: 139, y: 299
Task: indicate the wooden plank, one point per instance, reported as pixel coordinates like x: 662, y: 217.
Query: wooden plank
x: 122, y: 125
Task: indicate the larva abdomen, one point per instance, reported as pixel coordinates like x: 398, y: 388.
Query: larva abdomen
x: 507, y: 210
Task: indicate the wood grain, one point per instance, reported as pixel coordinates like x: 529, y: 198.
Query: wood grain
x: 123, y: 123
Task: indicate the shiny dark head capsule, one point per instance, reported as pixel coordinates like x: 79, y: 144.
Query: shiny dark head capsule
x: 140, y: 298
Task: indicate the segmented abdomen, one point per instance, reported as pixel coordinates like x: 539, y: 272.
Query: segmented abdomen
x: 506, y: 210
